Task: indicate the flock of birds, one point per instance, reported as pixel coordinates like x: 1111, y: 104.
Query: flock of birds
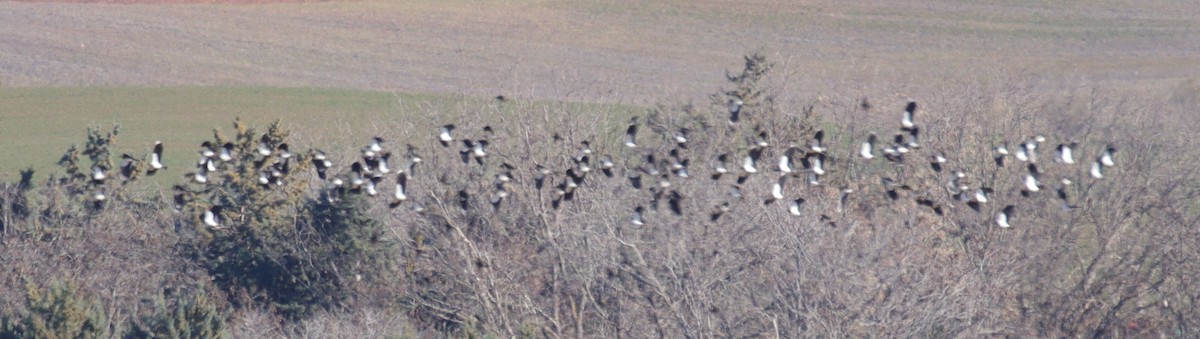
x: 368, y: 175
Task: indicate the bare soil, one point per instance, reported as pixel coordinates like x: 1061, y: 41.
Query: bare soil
x: 628, y: 51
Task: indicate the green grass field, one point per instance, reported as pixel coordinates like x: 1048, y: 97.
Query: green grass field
x: 38, y: 124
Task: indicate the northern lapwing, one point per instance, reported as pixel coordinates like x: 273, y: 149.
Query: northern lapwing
x: 813, y: 179
x: 637, y: 218
x: 505, y: 173
x: 284, y: 151
x: 1031, y: 180
x: 817, y: 142
x: 868, y: 148
x: 675, y: 203
x: 816, y: 163
x: 374, y: 148
x: 785, y: 160
x: 718, y: 211
x: 264, y: 145
x: 936, y: 161
x: 681, y: 137
x: 99, y: 173
x: 413, y: 160
x: 370, y: 186
x: 1003, y: 217
x: 156, y: 159
x: 381, y: 163
x: 1097, y: 168
x: 1064, y: 154
x: 794, y: 207
x: 98, y: 197
x: 444, y: 136
x: 498, y: 197
x: 585, y: 149
x: 212, y: 217
x: 464, y: 200
x: 201, y: 173
x: 539, y: 176
x: 128, y: 166
x: 226, y: 152
x: 606, y: 166
x: 751, y: 158
x: 776, y: 190
x: 735, y: 110
x: 356, y: 179
x: 1106, y: 158
x: 910, y: 110
x: 1001, y: 153
x: 914, y: 137
x: 631, y: 134
x: 720, y: 167
x: 762, y: 139
x: 206, y: 149
x: 321, y: 163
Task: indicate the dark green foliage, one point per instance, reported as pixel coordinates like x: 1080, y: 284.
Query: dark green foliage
x: 57, y: 312
x: 192, y: 316
x: 278, y: 247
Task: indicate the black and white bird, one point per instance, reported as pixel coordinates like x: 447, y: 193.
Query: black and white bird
x: 99, y: 173
x: 156, y: 159
x: 936, y: 161
x: 816, y: 163
x: 681, y: 137
x: 794, y: 207
x: 751, y: 158
x: 374, y: 148
x: 206, y: 149
x: 636, y: 219
x: 631, y: 134
x: 1106, y: 158
x: 868, y: 148
x: 776, y: 190
x: 762, y: 140
x: 721, y: 166
x: 1064, y: 154
x: 498, y: 196
x: 817, y: 143
x: 1001, y: 153
x: 264, y: 145
x: 201, y: 174
x: 226, y: 153
x: 735, y: 110
x: 321, y: 163
x: 212, y: 216
x: 910, y: 110
x: 1004, y: 216
x: 444, y: 136
x: 606, y: 166
x: 785, y: 160
x: 539, y: 176
x: 128, y: 166
x: 1031, y: 179
x: 1097, y: 169
x: 401, y: 193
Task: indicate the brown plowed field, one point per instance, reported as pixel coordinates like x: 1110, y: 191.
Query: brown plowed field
x: 625, y: 51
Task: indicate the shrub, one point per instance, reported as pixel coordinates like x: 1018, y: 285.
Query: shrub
x: 57, y: 312
x: 191, y: 316
x: 278, y: 245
